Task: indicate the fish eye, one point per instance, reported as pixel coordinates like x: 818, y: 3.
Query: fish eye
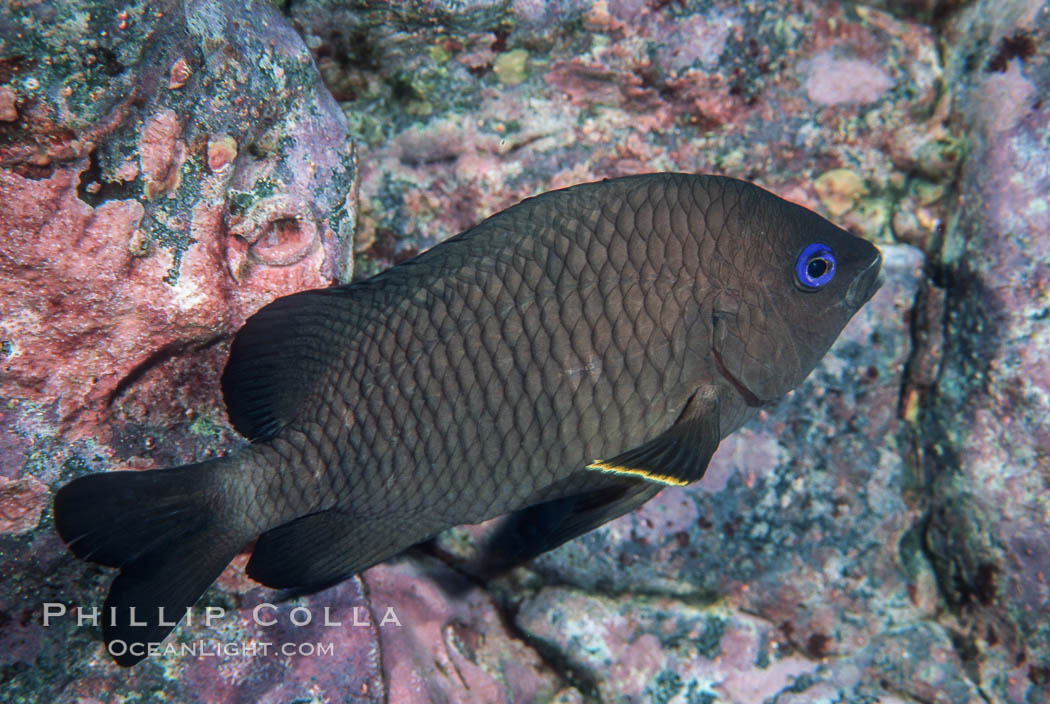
x: 815, y: 267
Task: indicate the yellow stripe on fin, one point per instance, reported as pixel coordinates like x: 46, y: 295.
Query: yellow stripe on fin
x: 680, y: 454
x: 614, y: 469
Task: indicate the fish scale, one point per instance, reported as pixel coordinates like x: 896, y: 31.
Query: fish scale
x: 557, y: 364
x: 402, y: 343
x: 511, y: 445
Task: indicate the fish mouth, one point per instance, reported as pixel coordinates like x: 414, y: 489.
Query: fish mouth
x: 866, y: 284
x: 749, y: 396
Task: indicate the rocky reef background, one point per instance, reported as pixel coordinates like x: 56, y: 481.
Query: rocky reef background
x: 881, y: 535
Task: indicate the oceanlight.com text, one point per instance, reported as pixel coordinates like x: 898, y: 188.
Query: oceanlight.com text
x: 206, y: 649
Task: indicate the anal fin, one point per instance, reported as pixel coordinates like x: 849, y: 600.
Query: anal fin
x: 320, y: 549
x: 680, y: 454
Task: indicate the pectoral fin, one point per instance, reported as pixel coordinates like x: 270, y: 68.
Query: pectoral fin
x: 680, y: 454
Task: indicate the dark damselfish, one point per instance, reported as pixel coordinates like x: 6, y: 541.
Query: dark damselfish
x: 560, y: 362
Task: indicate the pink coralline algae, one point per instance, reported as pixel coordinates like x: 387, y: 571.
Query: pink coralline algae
x: 988, y: 446
x: 150, y: 236
x: 452, y: 645
x: 84, y: 307
x: 8, y: 106
x: 834, y: 80
x: 161, y: 153
x: 21, y: 503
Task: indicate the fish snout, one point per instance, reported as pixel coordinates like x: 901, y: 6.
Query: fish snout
x: 866, y: 283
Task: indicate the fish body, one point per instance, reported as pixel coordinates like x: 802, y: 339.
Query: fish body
x: 560, y: 362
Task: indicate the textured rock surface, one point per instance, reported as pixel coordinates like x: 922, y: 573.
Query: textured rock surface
x: 986, y: 454
x: 637, y: 86
x: 879, y: 536
x: 639, y: 649
x: 451, y: 645
x: 168, y: 172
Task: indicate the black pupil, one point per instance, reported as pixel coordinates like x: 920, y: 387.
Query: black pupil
x: 816, y: 268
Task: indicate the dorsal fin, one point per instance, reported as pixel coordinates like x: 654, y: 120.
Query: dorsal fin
x: 277, y: 358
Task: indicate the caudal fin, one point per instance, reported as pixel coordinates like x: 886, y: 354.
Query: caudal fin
x: 162, y: 530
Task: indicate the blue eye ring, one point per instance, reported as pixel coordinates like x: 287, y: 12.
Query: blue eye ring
x: 815, y: 267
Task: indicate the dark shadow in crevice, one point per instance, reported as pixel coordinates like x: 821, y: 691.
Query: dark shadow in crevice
x: 160, y: 356
x: 94, y: 190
